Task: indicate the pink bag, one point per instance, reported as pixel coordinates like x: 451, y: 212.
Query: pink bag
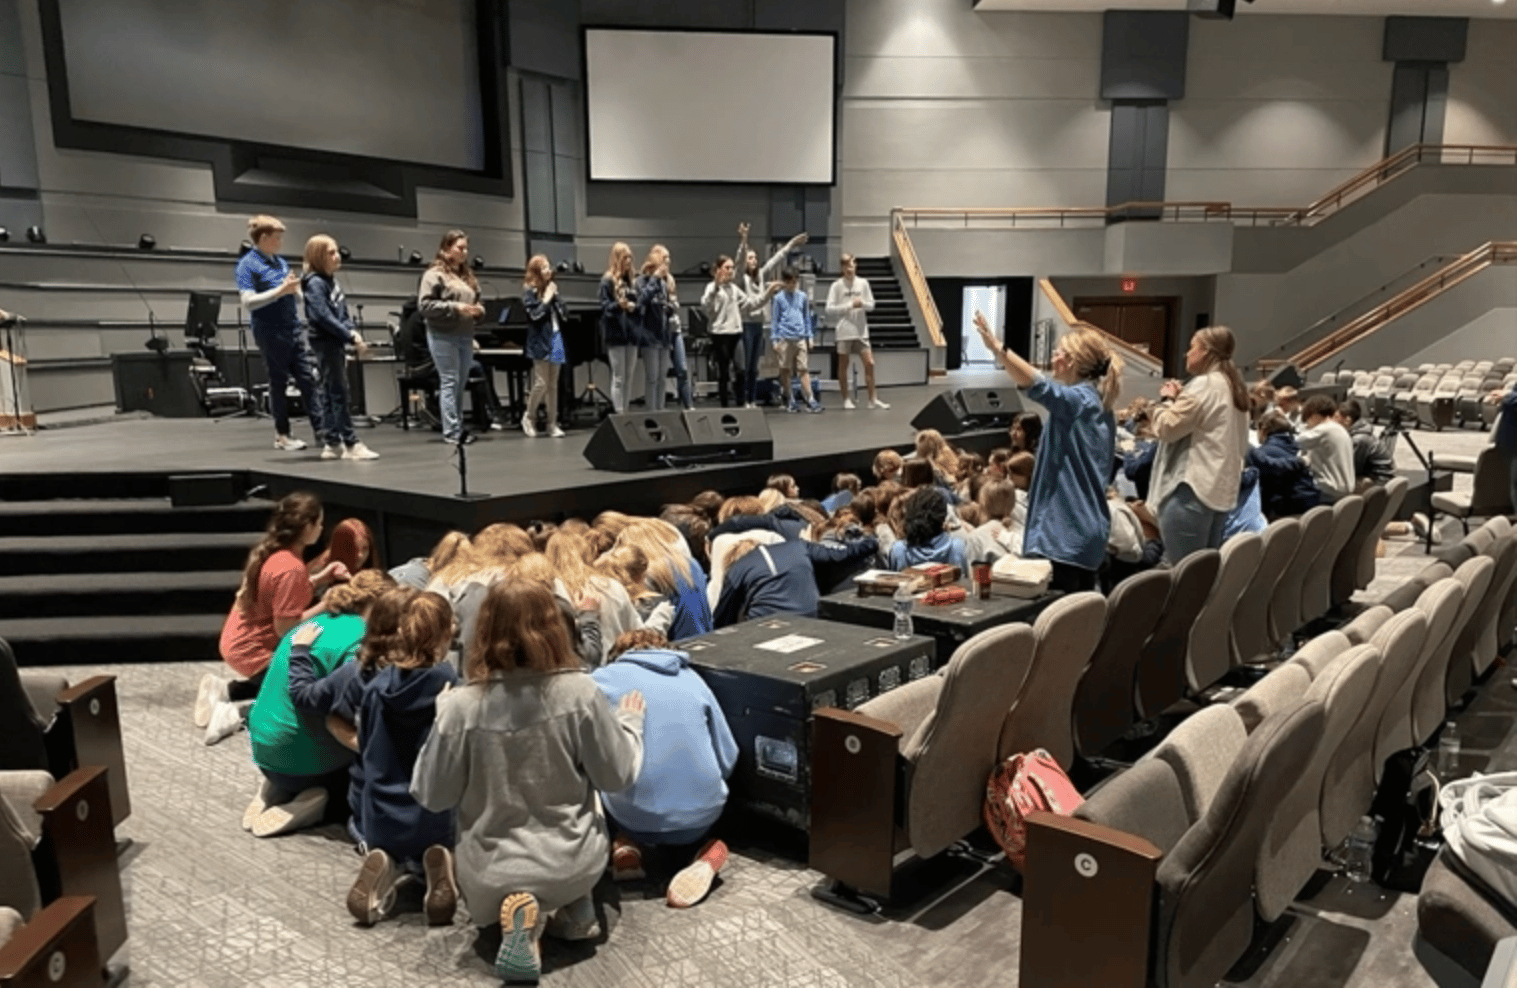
x: 1025, y: 783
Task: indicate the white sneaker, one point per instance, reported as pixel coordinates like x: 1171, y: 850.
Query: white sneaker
x: 331, y: 453
x: 358, y: 452
x: 555, y: 431
x: 528, y: 430
x: 289, y: 443
x: 226, y: 719
x: 877, y: 404
x: 213, y: 689
x: 848, y: 403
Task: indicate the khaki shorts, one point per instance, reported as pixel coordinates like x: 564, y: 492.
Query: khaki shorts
x: 792, y: 354
x: 860, y: 346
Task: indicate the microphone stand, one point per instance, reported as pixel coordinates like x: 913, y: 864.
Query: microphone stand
x: 464, y: 492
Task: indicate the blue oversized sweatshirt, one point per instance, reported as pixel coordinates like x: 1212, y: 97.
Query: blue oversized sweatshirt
x: 688, y: 749
x: 791, y: 316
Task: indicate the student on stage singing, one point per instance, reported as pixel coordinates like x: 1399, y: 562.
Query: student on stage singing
x: 725, y: 302
x: 268, y: 289
x: 756, y: 317
x: 545, y: 343
x: 449, y: 300
x: 655, y: 304
x: 331, y: 333
x: 620, y: 327
x: 849, y: 299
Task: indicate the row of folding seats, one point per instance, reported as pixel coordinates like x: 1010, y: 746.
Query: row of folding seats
x: 1432, y: 396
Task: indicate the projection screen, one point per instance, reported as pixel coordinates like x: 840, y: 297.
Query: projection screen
x: 708, y: 106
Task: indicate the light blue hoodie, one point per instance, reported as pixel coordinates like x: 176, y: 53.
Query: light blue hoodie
x: 688, y: 749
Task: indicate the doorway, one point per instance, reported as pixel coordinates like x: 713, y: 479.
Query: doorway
x: 1145, y: 322
x: 988, y: 299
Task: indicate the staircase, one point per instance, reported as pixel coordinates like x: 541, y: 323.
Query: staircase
x: 117, y: 580
x: 891, y: 326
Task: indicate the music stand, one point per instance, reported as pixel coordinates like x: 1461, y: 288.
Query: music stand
x: 200, y: 322
x: 200, y: 330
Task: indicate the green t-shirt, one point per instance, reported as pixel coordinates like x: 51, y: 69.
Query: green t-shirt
x: 291, y: 742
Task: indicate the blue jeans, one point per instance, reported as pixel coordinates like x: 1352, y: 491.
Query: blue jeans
x: 452, y: 353
x: 655, y: 368
x: 621, y: 359
x: 1186, y: 525
x: 682, y: 377
x: 753, y: 345
x: 287, y: 354
x: 337, y: 421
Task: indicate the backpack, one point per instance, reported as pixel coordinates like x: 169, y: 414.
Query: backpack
x: 1407, y: 805
x: 1021, y: 784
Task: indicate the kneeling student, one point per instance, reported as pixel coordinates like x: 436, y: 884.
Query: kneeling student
x: 688, y: 754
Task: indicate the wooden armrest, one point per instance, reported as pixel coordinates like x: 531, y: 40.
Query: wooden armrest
x: 852, y: 832
x: 89, y: 735
x: 78, y: 851
x: 1088, y: 904
x: 56, y: 948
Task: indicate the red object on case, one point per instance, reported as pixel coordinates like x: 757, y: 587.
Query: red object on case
x: 945, y: 596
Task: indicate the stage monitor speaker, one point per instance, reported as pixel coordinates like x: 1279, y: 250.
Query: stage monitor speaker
x: 729, y: 434
x: 637, y: 441
x: 961, y: 410
x: 944, y: 413
x: 1287, y: 375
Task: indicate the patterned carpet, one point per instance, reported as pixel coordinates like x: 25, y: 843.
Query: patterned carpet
x: 210, y: 905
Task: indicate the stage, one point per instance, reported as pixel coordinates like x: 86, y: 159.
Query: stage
x: 410, y: 495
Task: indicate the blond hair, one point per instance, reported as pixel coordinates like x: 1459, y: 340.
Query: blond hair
x: 933, y: 448
x: 355, y: 596
x: 621, y: 257
x: 315, y: 259
x: 1092, y: 360
x: 664, y: 548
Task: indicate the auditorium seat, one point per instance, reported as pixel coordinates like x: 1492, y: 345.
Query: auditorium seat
x: 1317, y: 590
x: 1365, y: 572
x: 1439, y: 603
x: 1490, y: 494
x: 1209, y: 653
x: 1436, y: 407
x: 1286, y: 602
x: 1483, y: 649
x: 1349, y: 780
x: 1428, y: 696
x: 1040, y: 717
x: 1104, y: 699
x: 1462, y: 916
x: 1251, y: 622
x: 1378, y: 403
x: 1161, y: 674
x: 913, y: 762
x: 1343, y: 580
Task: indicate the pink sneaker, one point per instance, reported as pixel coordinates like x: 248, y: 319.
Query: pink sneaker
x: 691, y: 885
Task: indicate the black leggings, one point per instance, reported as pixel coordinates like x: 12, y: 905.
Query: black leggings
x: 1068, y: 579
x: 728, y: 354
x: 246, y: 690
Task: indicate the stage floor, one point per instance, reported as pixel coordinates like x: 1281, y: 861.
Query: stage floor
x: 416, y: 474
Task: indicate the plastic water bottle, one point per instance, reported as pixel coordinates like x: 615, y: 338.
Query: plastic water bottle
x: 902, y: 628
x: 1447, y: 764
x: 1357, y: 850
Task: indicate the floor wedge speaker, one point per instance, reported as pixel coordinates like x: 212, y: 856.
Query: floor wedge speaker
x: 638, y: 441
x: 944, y: 413
x: 729, y: 434
x: 989, y: 408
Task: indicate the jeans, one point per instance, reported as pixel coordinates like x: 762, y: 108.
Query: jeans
x: 728, y: 353
x: 655, y: 370
x: 452, y: 354
x: 1186, y: 525
x: 753, y: 344
x: 337, y: 421
x: 287, y: 354
x: 682, y: 376
x: 545, y: 391
x: 621, y: 358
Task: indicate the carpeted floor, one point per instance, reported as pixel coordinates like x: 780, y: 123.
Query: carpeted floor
x: 209, y: 905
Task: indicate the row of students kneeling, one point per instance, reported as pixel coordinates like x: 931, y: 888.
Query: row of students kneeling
x: 506, y: 764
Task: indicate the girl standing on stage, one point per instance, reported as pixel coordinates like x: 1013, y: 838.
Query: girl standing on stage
x: 620, y: 328
x: 331, y: 332
x: 656, y: 303
x: 545, y: 343
x: 449, y: 300
x: 756, y: 313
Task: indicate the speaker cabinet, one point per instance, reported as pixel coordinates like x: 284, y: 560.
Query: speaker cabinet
x: 637, y: 441
x: 964, y: 409
x: 1287, y: 376
x: 742, y: 434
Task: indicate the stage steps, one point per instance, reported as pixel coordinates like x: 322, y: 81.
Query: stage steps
x: 891, y: 326
x: 117, y: 580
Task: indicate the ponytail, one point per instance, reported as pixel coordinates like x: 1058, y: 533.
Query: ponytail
x: 1218, y: 342
x: 1094, y: 361
x: 292, y: 515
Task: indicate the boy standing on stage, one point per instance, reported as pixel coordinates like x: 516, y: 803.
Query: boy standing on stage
x: 791, y: 328
x: 849, y: 299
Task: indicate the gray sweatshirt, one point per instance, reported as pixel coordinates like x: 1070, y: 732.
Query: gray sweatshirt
x: 756, y: 308
x: 849, y: 320
x: 441, y: 297
x: 521, y: 757
x: 726, y: 306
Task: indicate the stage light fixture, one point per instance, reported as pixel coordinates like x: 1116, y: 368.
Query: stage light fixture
x: 5, y: 235
x: 244, y: 248
x: 344, y: 253
x: 35, y: 235
x: 147, y: 242
x: 579, y: 268
x: 563, y: 267
x: 415, y: 258
x: 478, y: 262
x: 706, y: 268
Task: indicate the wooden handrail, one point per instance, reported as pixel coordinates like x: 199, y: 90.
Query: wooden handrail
x: 1206, y: 211
x: 1441, y: 281
x: 918, y: 282
x: 1117, y: 343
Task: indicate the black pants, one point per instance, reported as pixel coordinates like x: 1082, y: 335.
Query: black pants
x: 728, y: 353
x: 287, y: 354
x: 1068, y: 579
x: 246, y: 690
x: 337, y: 421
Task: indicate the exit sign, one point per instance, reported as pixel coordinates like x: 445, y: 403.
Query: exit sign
x: 1130, y: 284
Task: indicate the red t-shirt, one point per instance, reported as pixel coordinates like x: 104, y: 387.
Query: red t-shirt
x: 284, y: 591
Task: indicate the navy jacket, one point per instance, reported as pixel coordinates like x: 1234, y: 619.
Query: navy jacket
x: 1138, y: 467
x: 339, y: 693
x: 780, y: 578
x: 1286, y: 487
x: 540, y: 317
x: 326, y: 309
x: 654, y: 307
x: 394, y: 719
x: 619, y: 328
x: 785, y: 520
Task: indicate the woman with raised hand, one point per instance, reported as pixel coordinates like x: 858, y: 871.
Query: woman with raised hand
x: 759, y: 284
x: 1068, y: 521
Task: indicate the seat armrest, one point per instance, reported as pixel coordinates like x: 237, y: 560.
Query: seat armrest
x: 78, y: 851
x: 1453, y: 462
x: 852, y: 833
x: 89, y: 735
x: 56, y: 948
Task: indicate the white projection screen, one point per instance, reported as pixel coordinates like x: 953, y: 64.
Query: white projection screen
x: 389, y: 79
x: 710, y: 106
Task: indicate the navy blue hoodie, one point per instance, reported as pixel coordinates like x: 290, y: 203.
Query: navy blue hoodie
x: 394, y: 719
x: 1286, y: 487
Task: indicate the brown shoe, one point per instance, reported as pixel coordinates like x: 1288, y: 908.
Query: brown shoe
x: 442, y: 899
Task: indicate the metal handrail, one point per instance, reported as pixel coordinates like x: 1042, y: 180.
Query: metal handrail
x: 1135, y: 354
x: 918, y: 282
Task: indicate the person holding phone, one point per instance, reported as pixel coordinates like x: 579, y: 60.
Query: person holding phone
x: 268, y: 288
x: 449, y: 301
x: 545, y: 343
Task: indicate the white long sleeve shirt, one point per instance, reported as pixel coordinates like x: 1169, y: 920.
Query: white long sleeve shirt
x: 848, y: 320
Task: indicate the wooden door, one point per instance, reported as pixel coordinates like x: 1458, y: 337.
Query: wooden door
x: 1144, y: 323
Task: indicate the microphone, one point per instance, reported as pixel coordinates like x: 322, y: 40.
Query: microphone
x: 9, y: 320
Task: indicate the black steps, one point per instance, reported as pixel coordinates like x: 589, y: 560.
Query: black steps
x: 80, y: 517
x: 21, y: 555
x: 144, y: 593
x: 113, y: 638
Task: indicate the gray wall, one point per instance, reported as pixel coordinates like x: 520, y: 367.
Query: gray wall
x: 1487, y: 337
x: 1471, y: 320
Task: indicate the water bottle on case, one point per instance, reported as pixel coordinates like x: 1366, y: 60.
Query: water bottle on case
x: 902, y: 628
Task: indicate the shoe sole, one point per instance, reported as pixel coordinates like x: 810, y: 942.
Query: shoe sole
x: 373, y: 888
x: 621, y: 875
x: 302, y: 811
x: 518, y: 958
x: 442, y: 899
x: 691, y: 885
x: 205, y: 703
x: 255, y: 808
